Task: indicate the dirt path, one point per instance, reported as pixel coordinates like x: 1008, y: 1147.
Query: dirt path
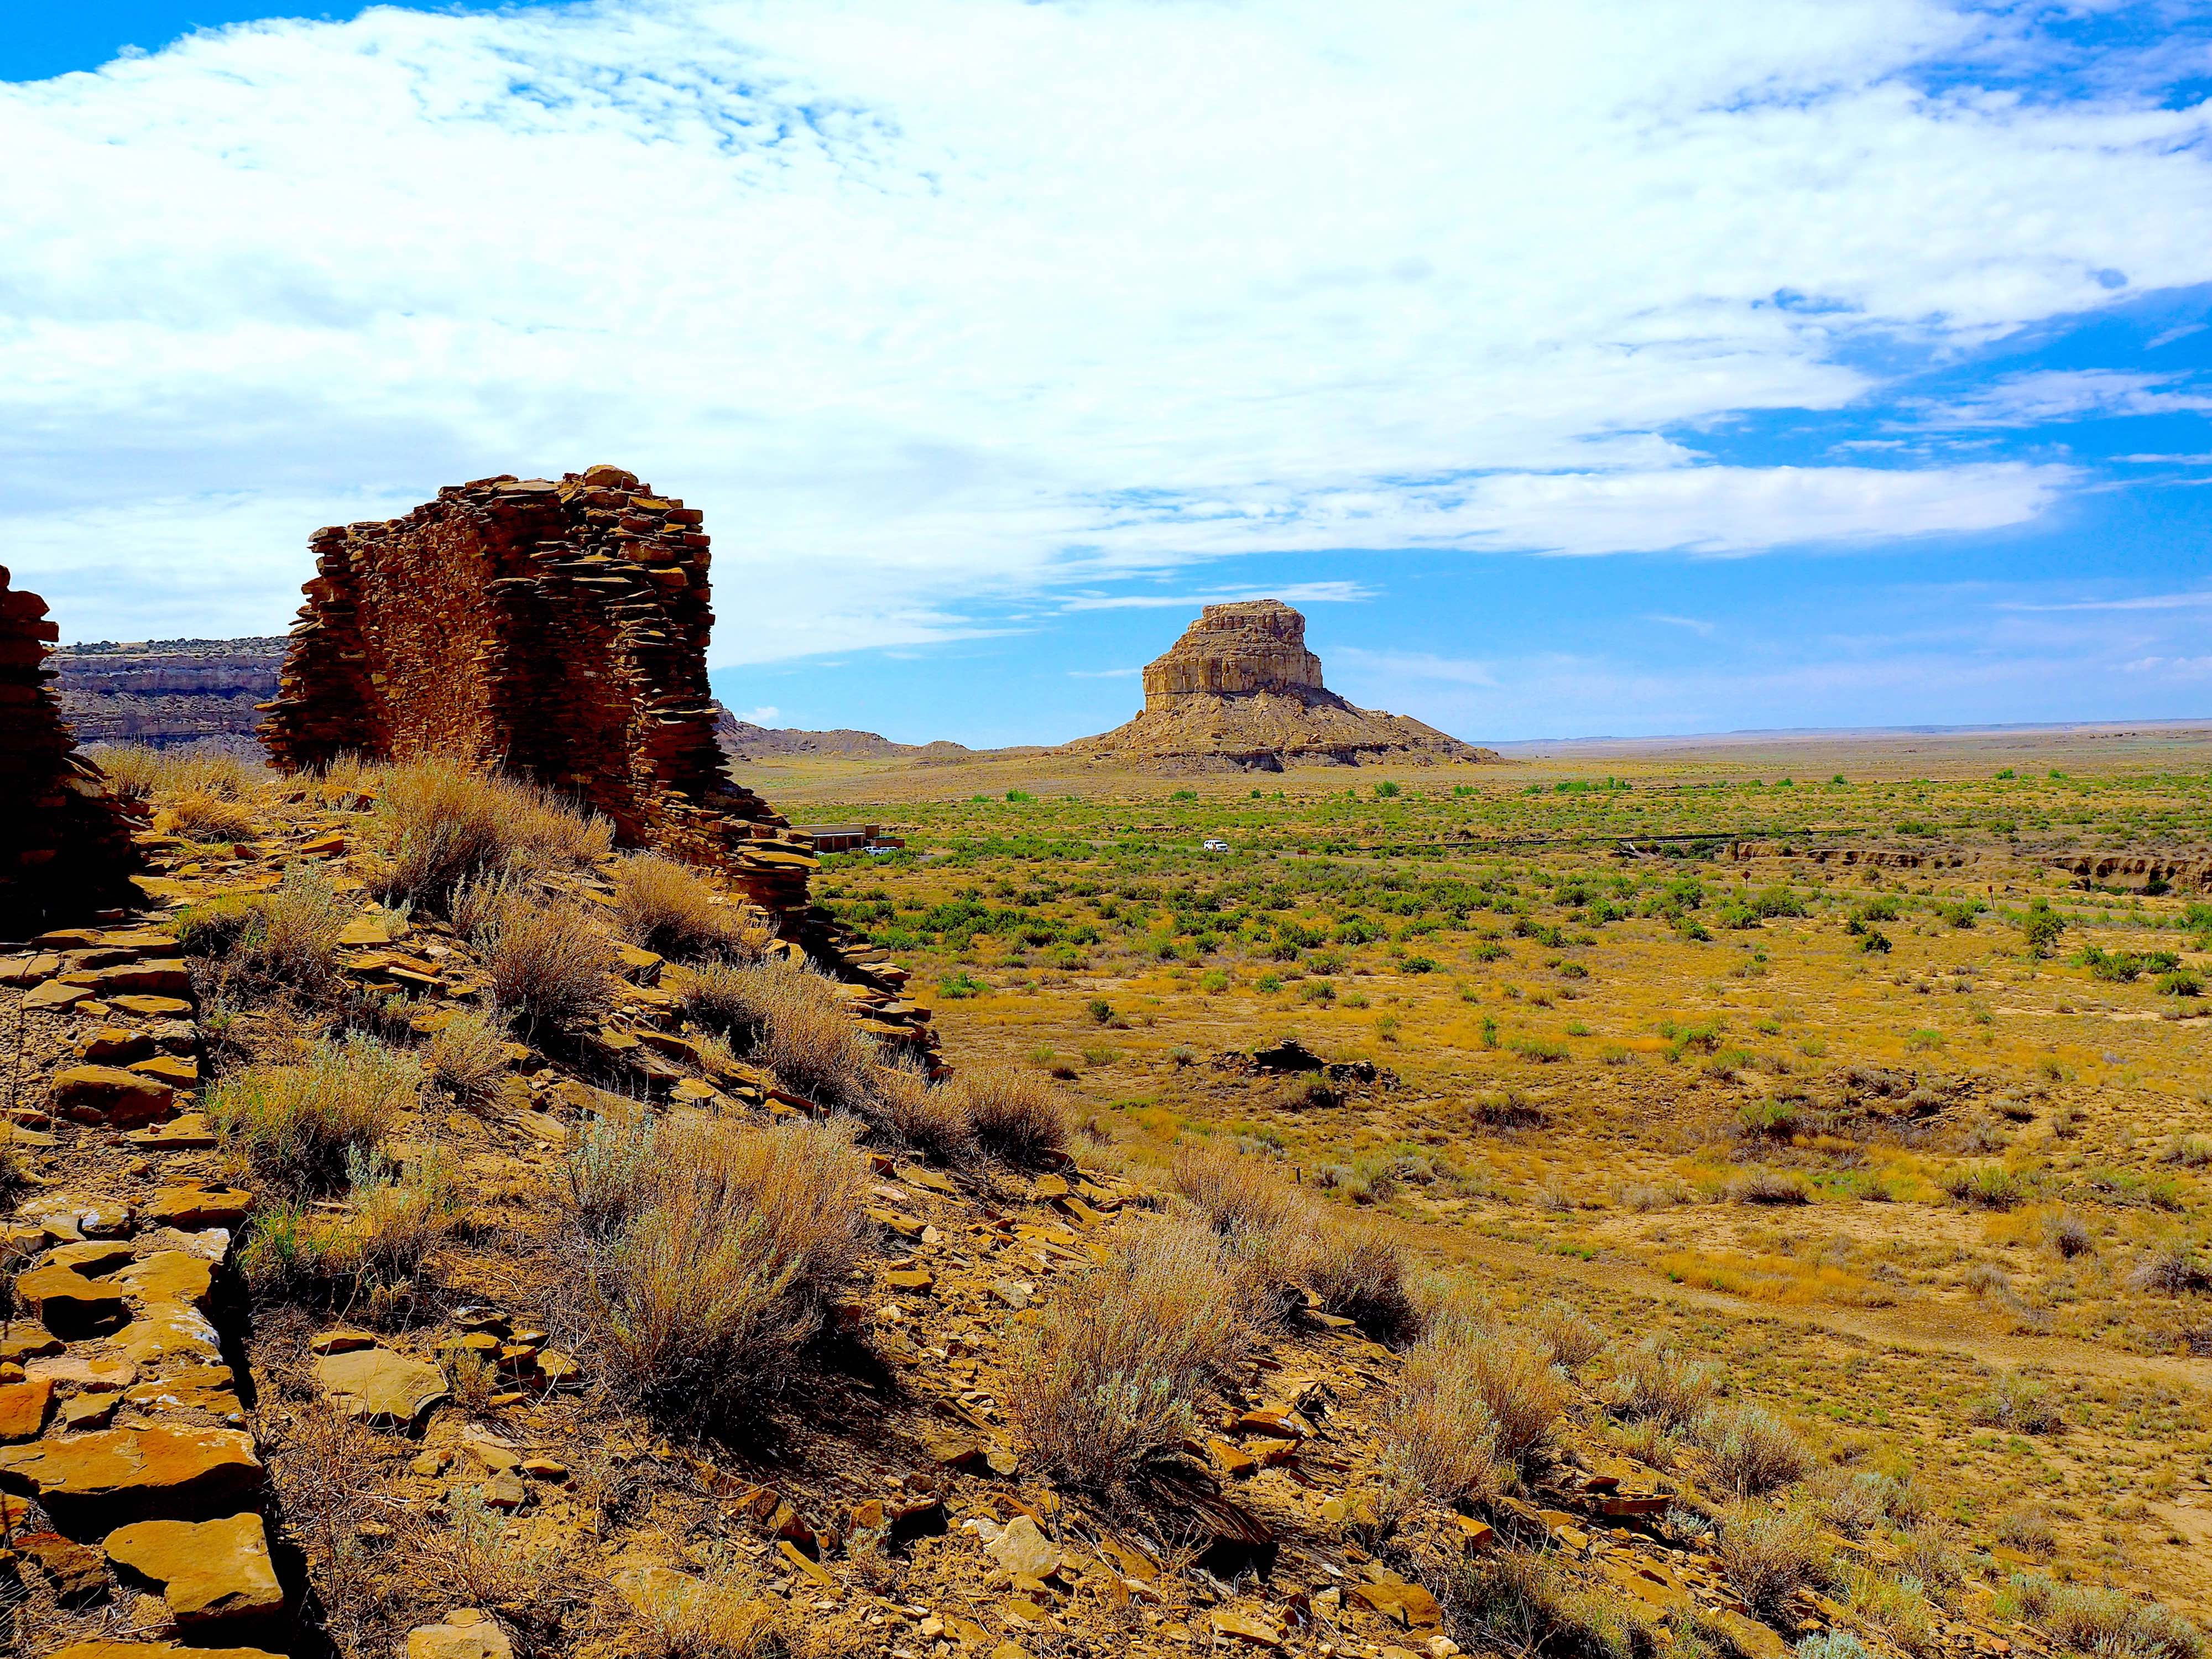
x: 1947, y: 1327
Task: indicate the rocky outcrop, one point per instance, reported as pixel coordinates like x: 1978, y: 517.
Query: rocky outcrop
x: 555, y: 630
x: 168, y: 692
x: 1239, y: 691
x: 65, y: 847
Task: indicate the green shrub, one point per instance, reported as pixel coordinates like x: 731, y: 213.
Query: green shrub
x: 297, y: 1125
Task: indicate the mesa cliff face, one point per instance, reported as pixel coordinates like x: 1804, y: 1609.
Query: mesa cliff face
x: 1239, y: 691
x: 166, y: 692
x: 555, y: 630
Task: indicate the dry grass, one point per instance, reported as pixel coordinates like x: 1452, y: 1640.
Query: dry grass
x: 1234, y: 1195
x: 466, y: 1060
x: 703, y: 1619
x: 671, y: 908
x: 1109, y: 1380
x: 297, y: 1125
x: 549, y: 960
x: 444, y: 825
x: 1357, y: 1270
x: 262, y: 944
x: 371, y: 1256
x: 1769, y: 1554
x: 795, y: 1022
x: 2101, y: 1621
x: 1525, y: 1394
x: 933, y: 1121
x: 1751, y: 1451
x: 137, y: 772
x: 202, y: 816
x: 1016, y: 1114
x: 1650, y: 1381
x: 1570, y: 1335
x: 710, y: 1254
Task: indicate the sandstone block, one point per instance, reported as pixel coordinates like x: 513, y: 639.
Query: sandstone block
x: 128, y: 1474
x: 108, y: 1094
x: 206, y: 1570
x: 384, y: 1389
x: 466, y: 1633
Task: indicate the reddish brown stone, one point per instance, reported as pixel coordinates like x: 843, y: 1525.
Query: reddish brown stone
x: 557, y: 630
x: 65, y: 846
x: 108, y: 1094
x: 91, y: 1482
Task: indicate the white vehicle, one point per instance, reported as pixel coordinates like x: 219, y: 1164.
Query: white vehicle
x: 1214, y: 844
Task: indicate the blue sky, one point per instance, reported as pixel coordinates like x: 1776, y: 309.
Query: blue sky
x: 1611, y: 367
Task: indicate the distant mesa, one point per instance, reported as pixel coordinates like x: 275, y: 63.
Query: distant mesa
x: 1239, y: 692
x: 166, y: 693
x: 743, y: 741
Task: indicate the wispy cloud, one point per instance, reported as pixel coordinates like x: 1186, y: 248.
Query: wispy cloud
x: 1694, y: 624
x: 1103, y: 673
x: 2190, y: 601
x: 2055, y: 395
x: 1333, y: 593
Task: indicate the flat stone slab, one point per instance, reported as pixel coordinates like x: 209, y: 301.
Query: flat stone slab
x: 466, y: 1633
x: 110, y: 1095
x: 90, y: 1482
x: 382, y: 1389
x: 207, y: 1570
x: 23, y: 1408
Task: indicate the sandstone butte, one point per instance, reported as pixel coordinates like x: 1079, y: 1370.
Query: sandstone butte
x: 1239, y: 691
x: 65, y: 841
x: 555, y: 630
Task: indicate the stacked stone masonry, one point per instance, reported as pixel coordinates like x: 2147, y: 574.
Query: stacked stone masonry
x: 555, y: 630
x: 128, y: 1478
x: 65, y: 847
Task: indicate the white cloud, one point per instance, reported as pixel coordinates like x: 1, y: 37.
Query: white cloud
x: 766, y: 715
x: 1103, y: 673
x: 1694, y: 624
x: 942, y: 302
x: 1340, y: 592
x: 2139, y: 602
x: 2072, y: 394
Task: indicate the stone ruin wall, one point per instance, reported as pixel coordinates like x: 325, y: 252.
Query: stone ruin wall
x: 66, y: 848
x: 1257, y: 644
x: 555, y: 630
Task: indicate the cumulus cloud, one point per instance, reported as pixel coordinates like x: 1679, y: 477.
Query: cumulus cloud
x: 940, y: 303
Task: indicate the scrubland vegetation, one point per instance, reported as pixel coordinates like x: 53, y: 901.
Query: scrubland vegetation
x: 1855, y: 1207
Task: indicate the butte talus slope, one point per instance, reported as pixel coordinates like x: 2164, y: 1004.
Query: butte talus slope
x: 1239, y: 691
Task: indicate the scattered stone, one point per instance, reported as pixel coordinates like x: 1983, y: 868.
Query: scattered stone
x: 341, y: 1342
x: 1021, y: 1548
x: 382, y: 1389
x: 466, y: 1633
x: 193, y: 1208
x: 150, y: 1007
x: 1247, y: 1627
x: 68, y: 1304
x: 206, y: 1570
x: 78, y: 1574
